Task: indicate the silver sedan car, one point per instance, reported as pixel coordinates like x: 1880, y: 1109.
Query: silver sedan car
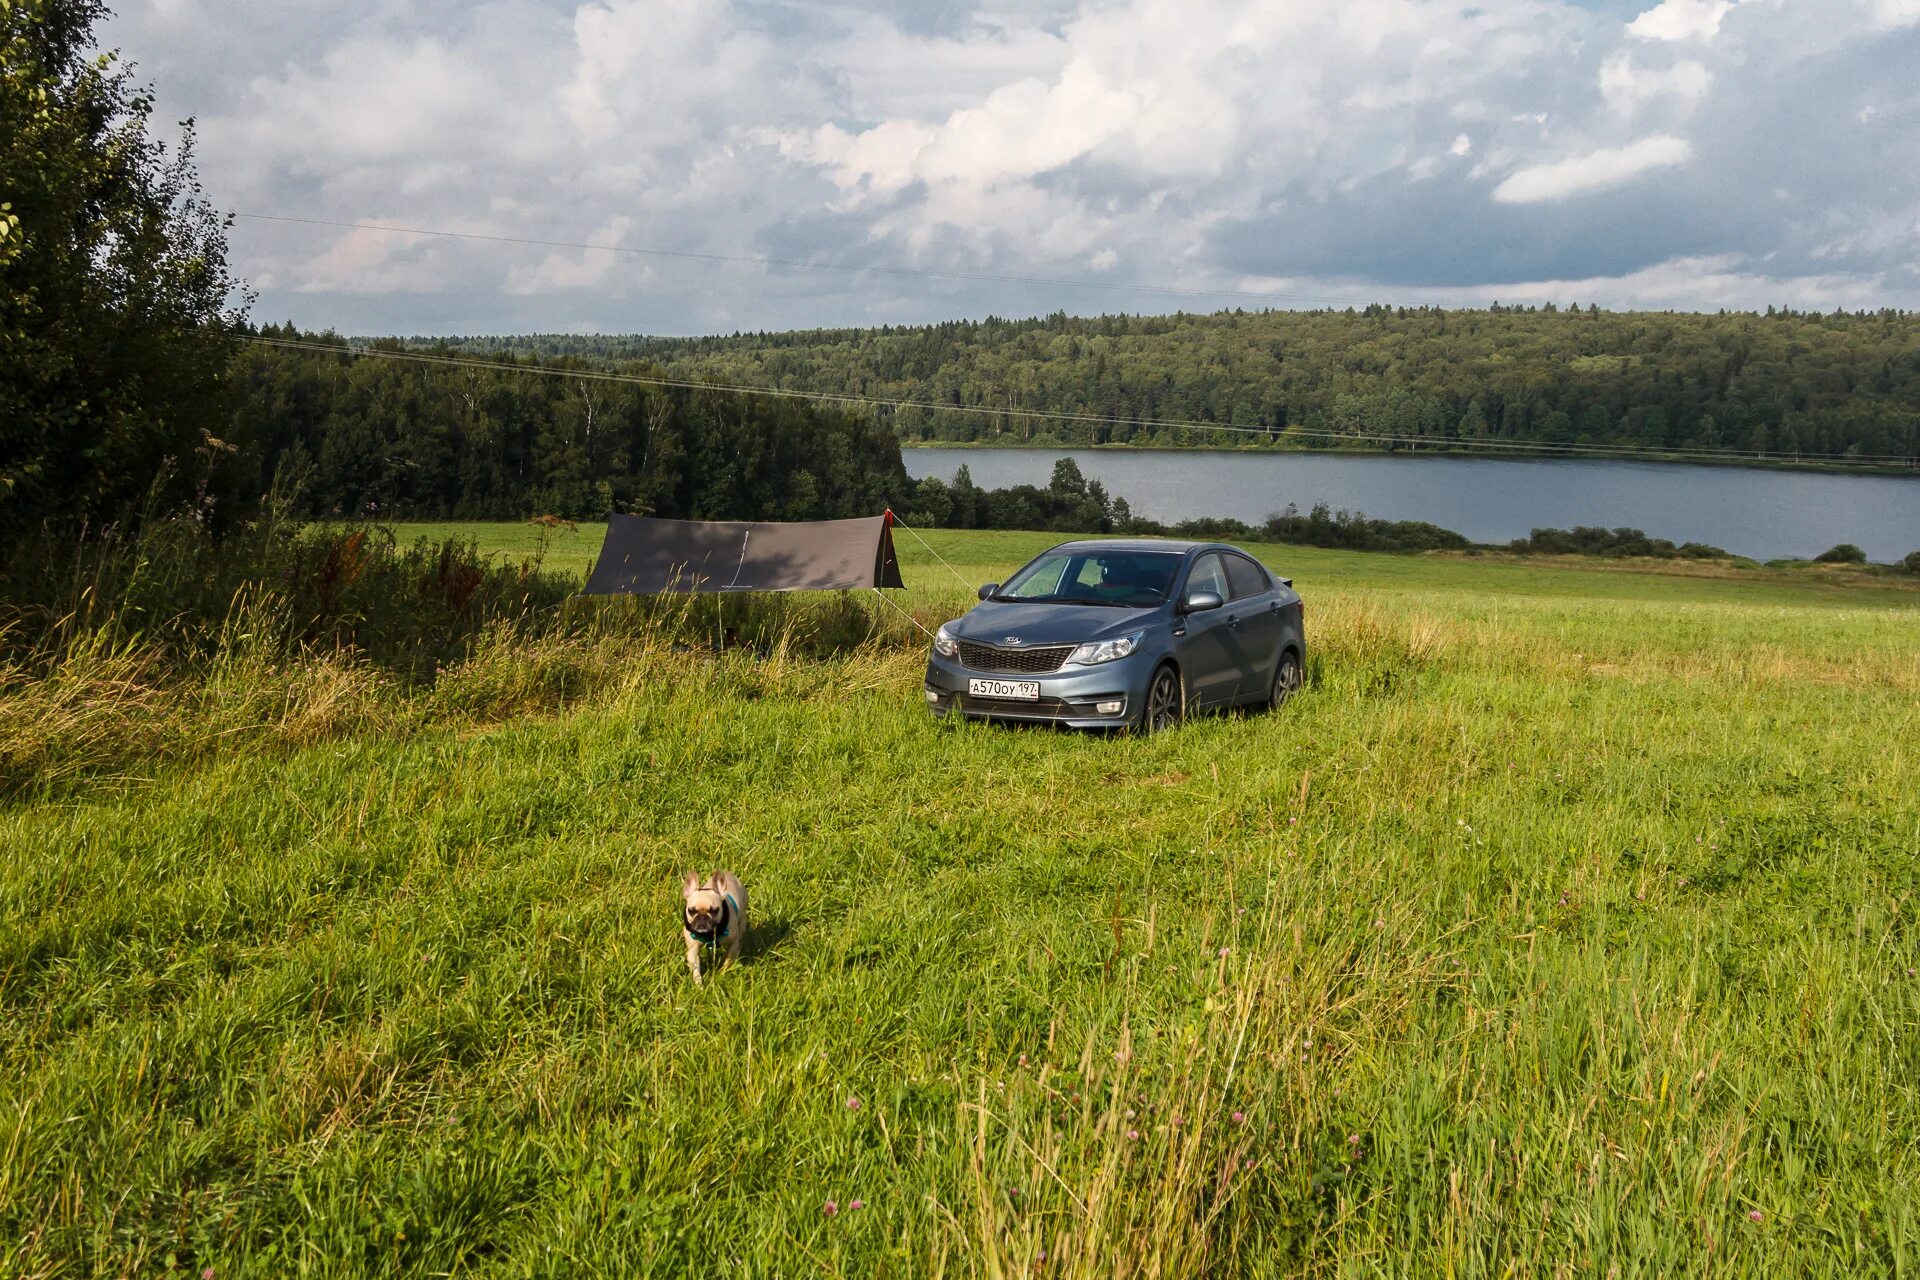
x: 1122, y: 632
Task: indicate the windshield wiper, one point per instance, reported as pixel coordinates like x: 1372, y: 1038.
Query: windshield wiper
x: 1105, y: 604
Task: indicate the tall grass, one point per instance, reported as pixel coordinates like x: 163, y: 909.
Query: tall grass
x: 1553, y: 929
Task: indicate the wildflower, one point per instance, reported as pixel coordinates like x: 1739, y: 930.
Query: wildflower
x: 1224, y: 951
x: 830, y: 1208
x: 1242, y: 911
x: 1023, y: 1059
x: 853, y: 1104
x: 1353, y: 1139
x: 1239, y: 1117
x: 207, y: 1274
x: 1133, y: 1135
x: 1130, y: 1109
x: 856, y: 1204
x: 1756, y: 1216
x: 1293, y: 822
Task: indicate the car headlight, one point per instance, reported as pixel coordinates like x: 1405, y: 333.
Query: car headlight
x: 1088, y: 655
x: 944, y: 644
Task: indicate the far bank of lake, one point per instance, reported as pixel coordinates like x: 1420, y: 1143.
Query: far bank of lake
x: 1766, y: 514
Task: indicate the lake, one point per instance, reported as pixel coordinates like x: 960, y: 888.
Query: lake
x: 1768, y: 515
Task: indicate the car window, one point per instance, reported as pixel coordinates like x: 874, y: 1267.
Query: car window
x: 1208, y: 575
x: 1136, y: 579
x: 1246, y: 577
x: 1038, y: 581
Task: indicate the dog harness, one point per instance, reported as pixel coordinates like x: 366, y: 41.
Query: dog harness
x: 713, y: 937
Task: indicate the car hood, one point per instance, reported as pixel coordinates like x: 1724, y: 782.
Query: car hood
x: 994, y: 621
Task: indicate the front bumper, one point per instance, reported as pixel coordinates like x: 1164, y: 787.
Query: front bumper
x: 1070, y: 697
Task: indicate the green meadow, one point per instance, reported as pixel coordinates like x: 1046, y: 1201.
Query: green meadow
x: 1563, y: 925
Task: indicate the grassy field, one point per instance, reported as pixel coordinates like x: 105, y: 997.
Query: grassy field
x: 1565, y: 925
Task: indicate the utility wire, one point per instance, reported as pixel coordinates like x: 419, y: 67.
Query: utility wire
x: 930, y: 551
x: 1045, y: 415
x: 802, y: 264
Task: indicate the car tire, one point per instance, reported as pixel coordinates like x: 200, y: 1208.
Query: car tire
x: 1165, y: 703
x: 1288, y: 676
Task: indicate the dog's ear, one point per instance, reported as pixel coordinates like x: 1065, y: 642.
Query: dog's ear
x: 691, y: 883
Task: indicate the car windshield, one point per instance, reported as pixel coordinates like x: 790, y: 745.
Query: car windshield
x: 1126, y: 579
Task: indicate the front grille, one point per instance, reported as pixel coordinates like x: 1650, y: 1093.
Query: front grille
x: 987, y: 657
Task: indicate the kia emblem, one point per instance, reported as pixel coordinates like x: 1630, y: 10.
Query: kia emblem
x: 1012, y: 639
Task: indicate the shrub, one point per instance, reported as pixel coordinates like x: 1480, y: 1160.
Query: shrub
x: 177, y: 589
x: 1912, y: 563
x: 1845, y: 553
x: 1585, y: 540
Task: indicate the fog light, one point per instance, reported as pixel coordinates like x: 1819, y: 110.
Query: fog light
x: 933, y: 697
x: 1108, y: 708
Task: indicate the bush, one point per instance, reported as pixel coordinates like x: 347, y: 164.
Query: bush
x: 1585, y: 540
x: 1912, y: 563
x: 1845, y: 553
x: 179, y: 592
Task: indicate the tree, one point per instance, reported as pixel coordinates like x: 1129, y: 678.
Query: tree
x: 116, y: 326
x: 1845, y: 553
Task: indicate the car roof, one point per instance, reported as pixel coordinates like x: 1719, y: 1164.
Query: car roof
x: 1175, y: 546
x: 1171, y: 546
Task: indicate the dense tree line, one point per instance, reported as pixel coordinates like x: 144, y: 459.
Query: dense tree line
x: 1784, y: 384
x: 1071, y: 503
x: 364, y: 435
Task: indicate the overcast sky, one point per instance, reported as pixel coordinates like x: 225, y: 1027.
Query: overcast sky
x: 1692, y: 154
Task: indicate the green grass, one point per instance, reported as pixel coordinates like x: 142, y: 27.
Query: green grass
x: 1563, y: 925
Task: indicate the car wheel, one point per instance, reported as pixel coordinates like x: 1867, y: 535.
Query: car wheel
x: 1166, y: 702
x: 1287, y: 678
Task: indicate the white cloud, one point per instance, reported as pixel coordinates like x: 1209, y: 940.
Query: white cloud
x: 1686, y: 19
x: 1607, y: 167
x: 1700, y: 282
x: 365, y: 259
x: 1167, y: 94
x: 1627, y: 87
x: 564, y: 269
x: 1349, y: 145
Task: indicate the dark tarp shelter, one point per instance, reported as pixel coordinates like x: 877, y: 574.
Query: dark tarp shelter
x: 643, y: 555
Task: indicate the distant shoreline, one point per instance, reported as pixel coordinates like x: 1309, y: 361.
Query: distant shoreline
x: 1889, y: 470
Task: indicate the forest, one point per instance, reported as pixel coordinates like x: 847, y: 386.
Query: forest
x: 362, y: 436
x: 1781, y: 385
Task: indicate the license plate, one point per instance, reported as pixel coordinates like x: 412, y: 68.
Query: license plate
x: 1005, y: 690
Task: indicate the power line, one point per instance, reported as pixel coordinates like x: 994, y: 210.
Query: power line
x: 1042, y: 415
x: 803, y: 264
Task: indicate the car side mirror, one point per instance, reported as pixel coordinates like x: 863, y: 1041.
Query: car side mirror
x: 986, y: 592
x: 1201, y: 601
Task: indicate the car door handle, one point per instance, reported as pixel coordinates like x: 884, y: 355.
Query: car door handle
x: 1233, y: 622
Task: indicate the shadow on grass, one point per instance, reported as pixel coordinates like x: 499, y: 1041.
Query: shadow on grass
x: 764, y: 939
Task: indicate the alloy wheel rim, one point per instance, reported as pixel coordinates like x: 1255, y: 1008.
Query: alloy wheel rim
x: 1163, y: 697
x: 1289, y: 681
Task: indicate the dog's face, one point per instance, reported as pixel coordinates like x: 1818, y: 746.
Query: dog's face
x: 704, y: 904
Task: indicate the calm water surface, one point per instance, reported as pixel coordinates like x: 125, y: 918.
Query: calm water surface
x: 1765, y: 514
